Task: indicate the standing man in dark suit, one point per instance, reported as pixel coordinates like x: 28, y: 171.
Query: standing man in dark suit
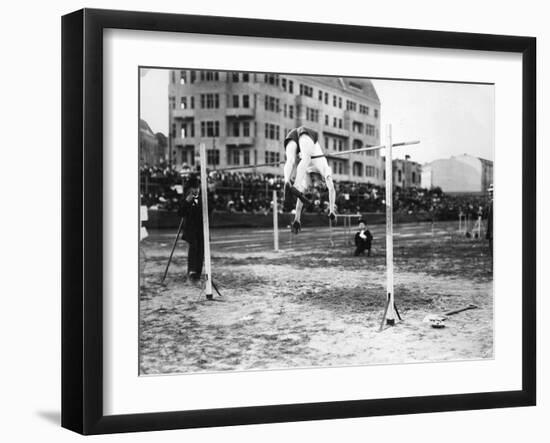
x: 363, y: 239
x: 191, y: 211
x: 489, y: 232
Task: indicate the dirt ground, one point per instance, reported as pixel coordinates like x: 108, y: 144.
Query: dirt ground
x: 311, y: 304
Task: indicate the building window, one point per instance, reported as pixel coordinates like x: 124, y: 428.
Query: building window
x: 183, y: 131
x: 210, y: 128
x: 284, y: 110
x: 246, y: 129
x: 272, y: 157
x: 306, y: 90
x: 271, y: 79
x: 320, y: 95
x: 340, y: 145
x: 291, y: 86
x: 399, y: 175
x: 364, y: 109
x: 234, y: 157
x: 376, y: 113
x: 213, y: 156
x: 334, y: 144
x: 183, y: 78
x: 235, y: 101
x: 192, y: 102
x: 326, y: 119
x: 246, y: 101
x: 210, y: 101
x: 357, y: 127
x: 246, y: 157
x: 271, y: 104
x: 272, y: 132
x: 369, y: 129
x: 246, y: 77
x: 312, y: 114
x: 340, y: 123
x: 326, y: 98
x: 235, y: 129
x: 235, y: 77
x: 193, y: 76
x: 334, y: 101
x: 290, y: 111
x: 370, y: 171
x: 326, y: 142
x: 210, y: 76
x: 183, y: 103
x: 340, y: 102
x: 413, y: 178
x: 283, y: 84
x: 172, y: 77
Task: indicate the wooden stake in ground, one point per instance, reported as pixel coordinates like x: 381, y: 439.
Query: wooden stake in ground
x: 205, y: 223
x: 173, y: 249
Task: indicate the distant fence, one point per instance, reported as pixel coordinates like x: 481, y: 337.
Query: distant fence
x: 159, y: 219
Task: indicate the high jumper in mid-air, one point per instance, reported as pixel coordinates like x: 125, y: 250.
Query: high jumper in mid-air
x: 305, y: 155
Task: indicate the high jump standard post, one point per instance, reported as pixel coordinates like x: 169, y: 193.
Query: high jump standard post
x: 275, y: 222
x: 205, y: 223
x: 390, y: 310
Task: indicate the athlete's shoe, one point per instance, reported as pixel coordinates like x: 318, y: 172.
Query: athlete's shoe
x: 296, y: 227
x: 332, y: 216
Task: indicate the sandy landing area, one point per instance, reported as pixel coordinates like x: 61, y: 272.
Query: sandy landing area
x: 318, y: 307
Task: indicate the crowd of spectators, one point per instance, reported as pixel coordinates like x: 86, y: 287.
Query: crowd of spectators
x: 163, y: 188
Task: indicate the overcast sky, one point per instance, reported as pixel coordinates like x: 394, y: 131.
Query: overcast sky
x: 448, y: 118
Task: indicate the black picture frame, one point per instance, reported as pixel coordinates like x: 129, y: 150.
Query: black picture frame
x: 82, y: 215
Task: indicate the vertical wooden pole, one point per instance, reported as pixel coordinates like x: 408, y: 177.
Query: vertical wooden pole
x: 390, y: 315
x: 205, y: 223
x: 275, y: 222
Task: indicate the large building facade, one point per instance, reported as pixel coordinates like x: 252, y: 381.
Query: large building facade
x: 243, y: 119
x: 460, y: 174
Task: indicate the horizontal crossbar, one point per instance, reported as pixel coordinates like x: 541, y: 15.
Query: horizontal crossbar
x: 231, y: 168
x: 374, y: 148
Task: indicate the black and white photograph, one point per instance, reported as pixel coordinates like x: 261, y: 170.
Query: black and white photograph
x: 295, y: 221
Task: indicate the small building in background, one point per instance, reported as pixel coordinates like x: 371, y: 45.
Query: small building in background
x: 152, y: 147
x: 459, y: 174
x: 406, y: 173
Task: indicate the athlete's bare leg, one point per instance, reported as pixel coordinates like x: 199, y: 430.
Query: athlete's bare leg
x: 307, y: 148
x: 297, y: 224
x: 290, y: 163
x: 321, y: 164
x: 331, y: 197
